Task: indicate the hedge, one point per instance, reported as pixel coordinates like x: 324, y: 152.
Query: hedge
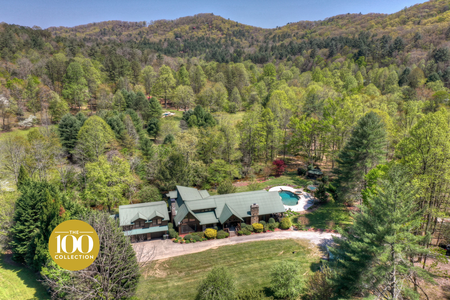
x: 173, y: 234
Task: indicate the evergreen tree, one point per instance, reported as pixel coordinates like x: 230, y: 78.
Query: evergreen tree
x: 23, y: 177
x: 153, y: 127
x: 376, y: 254
x: 119, y: 101
x: 155, y: 109
x: 68, y: 130
x: 183, y: 76
x: 38, y: 212
x: 365, y: 149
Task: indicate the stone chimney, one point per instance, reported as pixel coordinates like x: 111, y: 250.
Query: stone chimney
x: 254, y: 212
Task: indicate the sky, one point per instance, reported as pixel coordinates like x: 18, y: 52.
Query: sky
x: 261, y: 13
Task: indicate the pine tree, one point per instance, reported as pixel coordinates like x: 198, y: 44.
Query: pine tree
x: 155, y: 109
x: 153, y: 127
x: 365, y: 149
x: 68, y: 130
x: 38, y: 212
x: 23, y: 176
x: 376, y: 254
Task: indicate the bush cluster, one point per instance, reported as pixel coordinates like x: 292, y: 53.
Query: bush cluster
x: 258, y: 227
x: 286, y: 223
x: 210, y: 233
x: 222, y: 234
x: 172, y: 233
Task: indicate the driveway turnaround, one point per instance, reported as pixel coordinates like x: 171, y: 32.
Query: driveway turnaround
x: 162, y: 249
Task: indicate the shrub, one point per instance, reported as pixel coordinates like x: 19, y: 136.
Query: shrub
x: 325, y: 179
x: 240, y: 232
x: 219, y: 284
x: 258, y: 227
x: 285, y: 280
x: 263, y: 223
x: 276, y: 225
x: 226, y: 187
x: 187, y: 241
x: 251, y: 294
x: 188, y: 237
x: 199, y: 234
x: 196, y: 238
x: 210, y: 233
x: 204, y: 239
x: 173, y: 234
x: 249, y: 228
x: 245, y: 231
x: 271, y: 220
x: 301, y: 172
x: 175, y: 241
x: 222, y: 234
x: 286, y: 223
x: 170, y: 225
x: 319, y: 285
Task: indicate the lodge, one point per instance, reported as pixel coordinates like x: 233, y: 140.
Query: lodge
x: 195, y: 210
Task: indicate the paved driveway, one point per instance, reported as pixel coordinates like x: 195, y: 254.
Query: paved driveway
x: 166, y: 248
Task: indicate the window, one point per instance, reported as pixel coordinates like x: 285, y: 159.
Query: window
x: 159, y: 221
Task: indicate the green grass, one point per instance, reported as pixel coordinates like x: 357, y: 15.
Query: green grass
x: 19, y: 283
x: 290, y: 178
x: 327, y: 215
x: 179, y: 277
x: 18, y: 132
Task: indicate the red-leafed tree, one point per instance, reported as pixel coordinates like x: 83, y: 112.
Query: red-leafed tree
x: 280, y: 166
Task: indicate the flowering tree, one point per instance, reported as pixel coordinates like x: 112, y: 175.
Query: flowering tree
x: 280, y: 166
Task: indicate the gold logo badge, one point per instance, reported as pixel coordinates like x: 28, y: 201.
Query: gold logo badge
x: 74, y: 245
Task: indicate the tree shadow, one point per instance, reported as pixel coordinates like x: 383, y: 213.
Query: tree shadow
x: 27, y: 276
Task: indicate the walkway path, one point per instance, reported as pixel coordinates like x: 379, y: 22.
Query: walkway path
x: 166, y: 249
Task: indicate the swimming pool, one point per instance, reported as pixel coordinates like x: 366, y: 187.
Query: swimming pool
x: 288, y: 198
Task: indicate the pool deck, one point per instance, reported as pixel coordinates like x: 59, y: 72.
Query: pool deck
x: 305, y: 200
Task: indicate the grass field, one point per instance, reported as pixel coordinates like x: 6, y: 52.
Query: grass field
x: 179, y: 277
x: 327, y: 216
x: 17, y: 282
x: 18, y: 132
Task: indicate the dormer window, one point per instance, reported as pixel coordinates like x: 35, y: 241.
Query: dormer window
x: 159, y: 221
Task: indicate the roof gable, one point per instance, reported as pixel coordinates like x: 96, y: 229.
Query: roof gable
x: 147, y: 211
x: 227, y: 212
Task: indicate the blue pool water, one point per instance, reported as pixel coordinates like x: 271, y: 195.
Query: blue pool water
x: 288, y: 198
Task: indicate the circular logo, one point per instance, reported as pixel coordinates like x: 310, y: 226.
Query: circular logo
x: 74, y: 245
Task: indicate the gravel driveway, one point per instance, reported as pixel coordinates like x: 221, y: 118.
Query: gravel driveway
x: 162, y: 249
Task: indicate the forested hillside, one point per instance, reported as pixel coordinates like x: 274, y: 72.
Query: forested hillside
x: 366, y: 97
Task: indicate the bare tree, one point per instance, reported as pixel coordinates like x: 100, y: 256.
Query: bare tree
x: 113, y: 275
x: 14, y: 154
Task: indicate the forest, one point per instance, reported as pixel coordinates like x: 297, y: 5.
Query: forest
x: 365, y: 97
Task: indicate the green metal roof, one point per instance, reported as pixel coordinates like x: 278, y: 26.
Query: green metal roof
x: 315, y: 172
x: 146, y: 211
x: 201, y: 204
x: 146, y: 230
x: 225, y: 206
x: 227, y: 212
x: 182, y: 212
x: 268, y: 202
x: 138, y: 216
x: 188, y: 193
x: 208, y: 217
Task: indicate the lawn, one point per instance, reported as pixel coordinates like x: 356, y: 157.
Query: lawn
x: 290, y: 178
x: 179, y: 277
x: 18, y: 282
x: 18, y: 132
x: 327, y: 216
